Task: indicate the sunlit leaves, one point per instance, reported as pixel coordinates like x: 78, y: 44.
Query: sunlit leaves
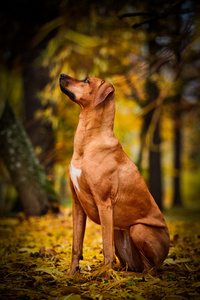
x: 82, y: 39
x: 106, y: 47
x: 35, y: 257
x: 79, y: 55
x: 46, y: 29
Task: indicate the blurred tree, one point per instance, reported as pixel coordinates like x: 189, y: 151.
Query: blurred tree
x: 43, y: 39
x: 79, y: 54
x: 152, y: 127
x: 39, y: 129
x: 27, y: 27
x: 20, y: 22
x: 26, y: 173
x: 169, y: 34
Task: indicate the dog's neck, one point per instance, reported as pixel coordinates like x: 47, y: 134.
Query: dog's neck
x: 95, y: 126
x: 100, y: 118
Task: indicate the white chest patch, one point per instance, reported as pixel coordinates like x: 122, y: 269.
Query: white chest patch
x: 74, y: 174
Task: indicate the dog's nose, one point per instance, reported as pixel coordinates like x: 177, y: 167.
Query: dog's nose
x: 62, y: 76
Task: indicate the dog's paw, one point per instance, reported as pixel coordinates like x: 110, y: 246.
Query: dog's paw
x: 74, y: 270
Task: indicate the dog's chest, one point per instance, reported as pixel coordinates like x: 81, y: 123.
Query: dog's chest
x: 75, y: 174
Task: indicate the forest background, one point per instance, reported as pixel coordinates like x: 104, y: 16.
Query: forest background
x: 150, y: 53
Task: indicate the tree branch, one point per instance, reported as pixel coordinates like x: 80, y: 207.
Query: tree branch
x: 127, y: 15
x: 171, y: 10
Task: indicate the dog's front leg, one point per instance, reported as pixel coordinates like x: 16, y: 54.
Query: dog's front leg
x: 106, y: 219
x: 79, y: 221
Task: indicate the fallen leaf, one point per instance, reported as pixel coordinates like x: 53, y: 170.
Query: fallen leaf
x: 70, y: 290
x: 47, y: 271
x: 72, y: 297
x: 171, y: 261
x: 100, y: 271
x: 174, y: 297
x: 22, y: 250
x: 37, y: 252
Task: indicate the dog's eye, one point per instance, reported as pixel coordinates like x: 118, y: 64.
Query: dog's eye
x: 86, y: 80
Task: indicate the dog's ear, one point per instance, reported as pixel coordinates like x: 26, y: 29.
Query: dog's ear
x: 103, y: 92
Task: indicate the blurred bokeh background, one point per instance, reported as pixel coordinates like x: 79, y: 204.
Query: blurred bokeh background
x: 149, y: 51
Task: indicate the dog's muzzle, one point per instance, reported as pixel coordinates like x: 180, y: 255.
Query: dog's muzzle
x: 63, y: 76
x: 65, y: 90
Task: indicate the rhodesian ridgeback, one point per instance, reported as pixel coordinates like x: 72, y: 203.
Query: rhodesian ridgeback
x: 107, y: 187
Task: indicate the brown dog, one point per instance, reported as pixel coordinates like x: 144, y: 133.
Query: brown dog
x: 108, y: 188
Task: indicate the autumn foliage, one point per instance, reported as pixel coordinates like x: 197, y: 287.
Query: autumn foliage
x: 155, y: 71
x: 36, y: 254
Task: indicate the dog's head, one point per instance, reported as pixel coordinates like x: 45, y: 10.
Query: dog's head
x: 89, y: 92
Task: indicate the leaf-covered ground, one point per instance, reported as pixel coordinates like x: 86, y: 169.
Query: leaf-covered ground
x: 35, y: 256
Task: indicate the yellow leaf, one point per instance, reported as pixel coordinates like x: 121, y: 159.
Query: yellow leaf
x: 118, y: 282
x: 26, y: 250
x: 191, y: 269
x: 70, y: 290
x: 196, y: 284
x: 170, y: 261
x: 83, y: 40
x: 174, y: 297
x: 46, y: 270
x: 72, y: 297
x: 53, y: 293
x: 100, y: 271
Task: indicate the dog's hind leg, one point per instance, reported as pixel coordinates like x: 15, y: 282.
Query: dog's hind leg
x: 152, y: 244
x: 127, y: 253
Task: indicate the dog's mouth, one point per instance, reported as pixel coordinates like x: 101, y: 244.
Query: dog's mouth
x: 67, y: 92
x: 64, y: 89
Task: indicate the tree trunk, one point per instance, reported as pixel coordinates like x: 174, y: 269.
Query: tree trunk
x: 177, y: 201
x: 39, y: 131
x: 25, y: 171
x: 178, y: 47
x: 155, y: 179
x: 155, y: 174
